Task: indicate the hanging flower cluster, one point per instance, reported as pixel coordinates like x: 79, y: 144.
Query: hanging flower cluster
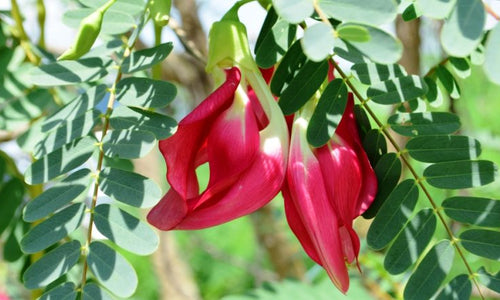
x: 240, y: 131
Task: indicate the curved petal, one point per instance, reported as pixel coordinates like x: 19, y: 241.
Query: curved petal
x: 254, y: 188
x: 169, y: 212
x: 370, y: 185
x: 348, y: 131
x: 350, y: 243
x: 181, y: 150
x: 233, y: 140
x: 295, y: 222
x: 342, y: 178
x: 307, y: 191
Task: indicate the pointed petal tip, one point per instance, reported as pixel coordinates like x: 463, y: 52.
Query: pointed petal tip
x: 169, y: 212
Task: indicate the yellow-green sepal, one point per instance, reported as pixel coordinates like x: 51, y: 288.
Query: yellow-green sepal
x: 160, y: 11
x: 228, y: 43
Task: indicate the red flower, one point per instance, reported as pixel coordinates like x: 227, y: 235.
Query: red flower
x: 325, y: 190
x: 246, y: 154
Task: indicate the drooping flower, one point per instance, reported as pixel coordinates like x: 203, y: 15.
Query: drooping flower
x: 325, y: 190
x: 243, y: 139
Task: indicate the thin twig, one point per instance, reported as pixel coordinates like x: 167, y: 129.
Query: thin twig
x: 491, y: 11
x: 189, y: 45
x: 156, y: 70
x: 40, y: 6
x: 21, y: 33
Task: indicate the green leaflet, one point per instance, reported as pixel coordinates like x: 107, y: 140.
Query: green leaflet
x: 303, y: 86
x: 318, y: 41
x: 373, y: 12
x: 463, y: 30
x: 125, y: 230
x: 448, y: 82
x: 92, y: 291
x: 132, y: 7
x: 111, y: 269
x: 393, y: 214
x: 113, y: 22
x: 436, y: 9
x: 492, y: 56
x: 441, y: 148
x: 64, y: 291
x: 133, y: 118
x: 146, y: 58
x: 288, y: 68
x: 369, y: 73
x: 458, y: 288
x: 11, y: 197
x: 128, y: 143
x: 375, y: 145
x: 72, y: 188
x: 492, y: 281
x: 426, y: 123
x: 145, y: 92
x: 129, y: 188
x: 482, y: 242
x: 388, y: 171
x: 461, y: 174
x: 294, y: 11
x: 61, y: 161
x: 353, y: 32
x: 382, y: 48
x: 275, y: 37
x: 431, y: 272
x: 397, y: 90
x: 473, y: 210
x: 410, y: 242
x: 76, y: 107
x: 69, y: 72
x: 67, y: 131
x: 328, y: 113
x: 53, y: 229
x: 52, y: 265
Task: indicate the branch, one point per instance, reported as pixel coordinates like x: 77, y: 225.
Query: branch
x: 188, y: 44
x: 490, y: 11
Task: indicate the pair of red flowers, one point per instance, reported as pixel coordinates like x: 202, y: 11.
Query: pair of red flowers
x: 245, y: 140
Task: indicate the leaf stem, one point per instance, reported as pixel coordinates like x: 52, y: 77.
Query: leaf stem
x: 109, y: 110
x: 156, y: 69
x: 412, y: 170
x: 21, y: 33
x: 40, y: 7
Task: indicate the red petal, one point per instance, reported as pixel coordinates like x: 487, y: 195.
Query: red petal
x: 254, y: 188
x: 348, y: 131
x: 232, y: 146
x: 342, y: 175
x: 350, y: 243
x: 233, y: 140
x: 298, y: 228
x: 168, y: 212
x: 181, y: 150
x: 307, y: 191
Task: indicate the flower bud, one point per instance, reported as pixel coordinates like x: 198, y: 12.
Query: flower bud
x: 88, y: 32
